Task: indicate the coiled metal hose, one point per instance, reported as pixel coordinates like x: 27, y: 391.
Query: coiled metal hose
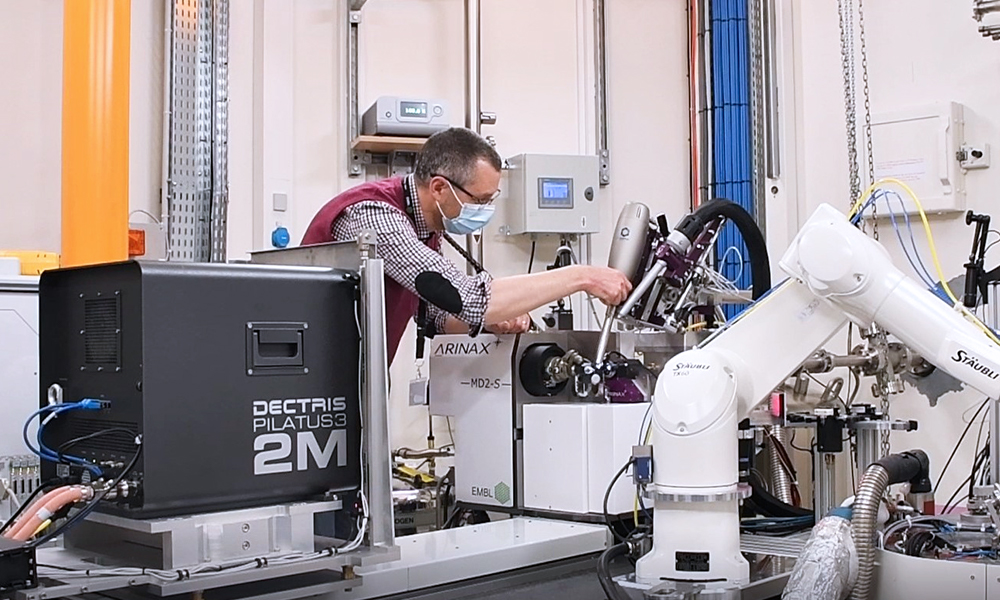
x: 863, y: 524
x: 782, y: 484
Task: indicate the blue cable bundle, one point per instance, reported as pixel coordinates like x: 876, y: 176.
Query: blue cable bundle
x: 732, y: 134
x: 47, y: 413
x: 916, y: 262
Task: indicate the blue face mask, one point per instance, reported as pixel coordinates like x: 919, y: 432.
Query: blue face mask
x: 471, y: 218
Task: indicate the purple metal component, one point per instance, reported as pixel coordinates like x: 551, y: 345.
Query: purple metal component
x: 679, y: 267
x: 621, y: 390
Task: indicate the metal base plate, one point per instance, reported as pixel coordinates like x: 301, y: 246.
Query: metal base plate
x: 771, y: 562
x: 182, y: 542
x: 442, y: 557
x: 297, y: 580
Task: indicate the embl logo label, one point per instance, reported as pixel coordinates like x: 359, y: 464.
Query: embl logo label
x: 500, y: 492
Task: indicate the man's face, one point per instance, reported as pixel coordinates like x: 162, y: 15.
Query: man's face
x: 482, y: 189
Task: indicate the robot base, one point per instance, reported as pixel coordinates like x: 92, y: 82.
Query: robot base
x: 701, y: 544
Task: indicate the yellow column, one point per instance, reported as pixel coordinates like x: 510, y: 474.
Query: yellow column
x: 95, y: 131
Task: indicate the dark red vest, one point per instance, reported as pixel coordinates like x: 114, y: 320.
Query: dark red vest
x: 400, y: 303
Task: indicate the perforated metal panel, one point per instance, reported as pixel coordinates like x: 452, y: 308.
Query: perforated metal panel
x: 220, y: 139
x: 197, y: 189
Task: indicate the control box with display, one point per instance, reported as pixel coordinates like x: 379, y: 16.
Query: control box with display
x: 552, y: 193
x: 405, y: 116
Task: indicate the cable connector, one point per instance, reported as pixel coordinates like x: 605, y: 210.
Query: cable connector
x: 642, y: 456
x: 94, y: 404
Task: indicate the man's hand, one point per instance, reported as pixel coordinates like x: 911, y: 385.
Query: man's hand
x: 515, y: 325
x: 608, y: 285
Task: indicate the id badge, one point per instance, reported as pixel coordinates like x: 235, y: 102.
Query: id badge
x: 418, y: 391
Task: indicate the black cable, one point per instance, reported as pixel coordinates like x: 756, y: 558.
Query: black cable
x: 47, y: 485
x: 959, y: 443
x: 753, y: 239
x: 953, y: 497
x: 464, y: 253
x: 531, y: 259
x: 791, y: 443
x: 612, y: 591
x: 607, y: 495
x: 83, y: 438
x: 89, y: 508
x: 978, y: 462
x: 978, y: 458
x: 767, y: 504
x: 854, y: 461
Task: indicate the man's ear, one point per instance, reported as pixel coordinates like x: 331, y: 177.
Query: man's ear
x: 437, y: 186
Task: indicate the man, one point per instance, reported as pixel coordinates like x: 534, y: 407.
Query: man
x: 452, y: 189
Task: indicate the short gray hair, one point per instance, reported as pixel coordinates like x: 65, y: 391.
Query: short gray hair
x: 453, y: 153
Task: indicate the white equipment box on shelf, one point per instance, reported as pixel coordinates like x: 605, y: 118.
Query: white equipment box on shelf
x: 390, y: 115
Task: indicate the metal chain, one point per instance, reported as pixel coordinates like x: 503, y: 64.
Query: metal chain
x: 868, y: 110
x: 884, y: 396
x: 845, y: 10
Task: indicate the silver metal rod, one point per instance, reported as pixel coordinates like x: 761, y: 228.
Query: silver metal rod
x: 409, y: 454
x: 758, y: 109
x: 773, y: 141
x: 647, y: 281
x: 824, y: 363
x: 601, y: 89
x: 168, y: 68
x: 993, y: 321
x: 781, y: 481
x: 375, y: 396
x: 824, y: 489
x: 994, y: 441
x: 869, y: 449
x: 993, y: 305
x: 602, y: 343
x: 705, y: 53
x: 353, y: 118
x: 473, y: 100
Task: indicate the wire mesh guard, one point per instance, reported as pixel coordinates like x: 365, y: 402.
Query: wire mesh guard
x: 197, y: 188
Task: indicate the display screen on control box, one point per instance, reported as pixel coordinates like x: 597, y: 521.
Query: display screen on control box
x: 555, y: 192
x: 413, y: 109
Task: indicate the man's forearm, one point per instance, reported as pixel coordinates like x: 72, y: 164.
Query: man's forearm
x: 511, y: 297
x: 453, y: 325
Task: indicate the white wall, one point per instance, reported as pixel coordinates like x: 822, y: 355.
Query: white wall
x: 31, y: 39
x: 30, y: 124
x: 929, y: 52
x: 537, y: 70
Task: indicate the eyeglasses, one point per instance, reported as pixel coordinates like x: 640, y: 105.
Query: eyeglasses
x: 475, y: 199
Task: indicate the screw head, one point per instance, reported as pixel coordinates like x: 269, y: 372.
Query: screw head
x: 249, y: 371
x: 246, y: 527
x: 246, y: 545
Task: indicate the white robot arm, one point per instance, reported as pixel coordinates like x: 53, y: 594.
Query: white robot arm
x: 837, y: 273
